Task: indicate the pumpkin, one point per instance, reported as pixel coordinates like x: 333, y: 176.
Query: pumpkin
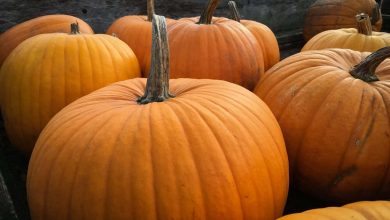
x: 335, y: 120
x: 361, y: 38
x: 325, y: 15
x: 136, y: 31
x: 264, y: 36
x: 48, y: 71
x: 364, y: 210
x: 40, y: 25
x: 209, y: 47
x: 160, y: 149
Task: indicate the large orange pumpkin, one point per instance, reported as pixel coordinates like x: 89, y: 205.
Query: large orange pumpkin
x: 40, y: 25
x: 335, y: 121
x: 187, y: 149
x: 361, y: 38
x: 365, y: 210
x: 264, y: 36
x: 136, y: 31
x: 48, y: 71
x: 335, y: 14
x: 214, y: 48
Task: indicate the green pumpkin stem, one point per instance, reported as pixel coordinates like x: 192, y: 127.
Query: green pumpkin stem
x: 234, y: 11
x: 365, y: 70
x: 364, y: 24
x: 207, y: 13
x: 157, y: 86
x: 74, y: 28
x: 150, y: 9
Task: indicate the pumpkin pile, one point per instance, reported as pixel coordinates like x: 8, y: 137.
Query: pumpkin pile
x: 219, y: 129
x: 160, y: 149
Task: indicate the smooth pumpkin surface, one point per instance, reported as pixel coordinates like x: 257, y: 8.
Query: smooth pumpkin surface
x: 361, y: 38
x: 48, y: 71
x: 336, y: 126
x: 325, y: 15
x: 40, y: 25
x: 209, y: 149
x: 365, y: 210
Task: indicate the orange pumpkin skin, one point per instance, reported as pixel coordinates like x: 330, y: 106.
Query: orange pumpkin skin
x: 335, y: 126
x: 267, y: 41
x: 136, y: 31
x: 325, y: 15
x: 365, y: 210
x: 48, y: 71
x: 348, y: 38
x: 224, y: 50
x: 10, y: 39
x: 215, y: 151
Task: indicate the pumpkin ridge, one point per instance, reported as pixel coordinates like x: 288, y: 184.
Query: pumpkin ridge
x: 314, y: 41
x: 19, y: 97
x: 339, y: 6
x: 311, y: 122
x: 346, y: 40
x: 234, y: 103
x: 40, y: 77
x: 284, y: 81
x: 152, y: 157
x: 78, y: 85
x: 110, y: 161
x: 232, y: 45
x: 350, y: 141
x: 174, y: 108
x: 387, y: 169
x: 196, y: 106
x: 52, y: 135
x: 261, y: 153
x: 52, y: 164
x: 246, y: 56
x: 82, y: 155
x: 261, y: 65
x: 107, y: 44
x: 90, y: 64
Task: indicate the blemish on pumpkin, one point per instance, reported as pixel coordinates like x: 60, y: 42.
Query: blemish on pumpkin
x: 358, y: 143
x: 293, y: 91
x: 343, y: 174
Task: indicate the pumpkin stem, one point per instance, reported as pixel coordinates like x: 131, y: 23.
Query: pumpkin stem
x: 234, y: 11
x: 207, y: 13
x: 376, y: 14
x: 74, y: 28
x: 150, y: 9
x: 363, y: 24
x: 157, y: 85
x: 365, y: 70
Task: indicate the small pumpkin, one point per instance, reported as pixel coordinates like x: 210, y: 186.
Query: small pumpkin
x: 325, y: 15
x: 335, y: 120
x: 208, y: 47
x: 364, y: 210
x: 160, y: 149
x: 264, y: 36
x: 10, y: 39
x: 361, y: 38
x: 48, y: 71
x: 136, y: 31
